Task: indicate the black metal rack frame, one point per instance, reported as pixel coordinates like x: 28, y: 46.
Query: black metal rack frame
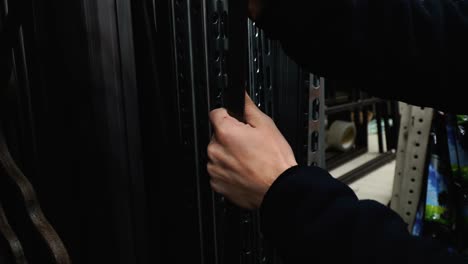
x: 356, y: 103
x: 384, y: 111
x: 111, y: 125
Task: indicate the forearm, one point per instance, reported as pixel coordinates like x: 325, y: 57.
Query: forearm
x: 309, y: 216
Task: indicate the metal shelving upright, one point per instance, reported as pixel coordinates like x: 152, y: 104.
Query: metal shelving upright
x: 201, y: 51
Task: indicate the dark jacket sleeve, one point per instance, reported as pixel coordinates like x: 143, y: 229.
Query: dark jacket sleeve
x: 310, y: 217
x: 414, y: 51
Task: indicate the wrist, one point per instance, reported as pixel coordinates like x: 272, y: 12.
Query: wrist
x: 286, y: 166
x: 287, y: 170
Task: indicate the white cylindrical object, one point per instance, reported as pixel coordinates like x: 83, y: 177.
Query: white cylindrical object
x: 341, y: 135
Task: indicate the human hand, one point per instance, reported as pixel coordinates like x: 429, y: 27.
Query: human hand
x: 245, y: 159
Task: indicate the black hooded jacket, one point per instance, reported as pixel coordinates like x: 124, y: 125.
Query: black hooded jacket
x: 408, y: 50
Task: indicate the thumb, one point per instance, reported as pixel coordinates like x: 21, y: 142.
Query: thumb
x: 253, y: 115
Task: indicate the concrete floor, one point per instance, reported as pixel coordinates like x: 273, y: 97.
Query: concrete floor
x: 378, y: 184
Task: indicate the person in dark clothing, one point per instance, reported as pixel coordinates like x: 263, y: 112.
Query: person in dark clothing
x: 415, y: 51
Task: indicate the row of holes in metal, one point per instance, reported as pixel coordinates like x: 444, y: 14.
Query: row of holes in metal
x: 259, y: 91
x: 185, y: 97
x: 315, y: 115
x: 413, y: 180
x: 260, y: 88
x: 220, y: 26
x: 184, y: 91
x: 220, y: 36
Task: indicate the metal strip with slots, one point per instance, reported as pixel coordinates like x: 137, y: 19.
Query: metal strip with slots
x: 213, y: 201
x: 190, y: 37
x: 216, y: 54
x: 217, y: 48
x: 237, y: 58
x: 405, y: 116
x: 237, y: 235
x: 411, y: 162
x: 316, y: 140
x: 260, y: 67
x: 260, y: 87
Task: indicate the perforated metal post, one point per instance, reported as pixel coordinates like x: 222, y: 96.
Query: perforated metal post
x: 261, y: 65
x: 261, y: 91
x: 411, y: 155
x: 405, y: 116
x: 316, y: 141
x: 202, y: 53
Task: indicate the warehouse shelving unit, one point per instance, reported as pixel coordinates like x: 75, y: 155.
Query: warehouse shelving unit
x: 411, y: 161
x: 353, y: 105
